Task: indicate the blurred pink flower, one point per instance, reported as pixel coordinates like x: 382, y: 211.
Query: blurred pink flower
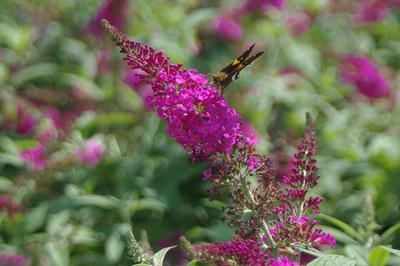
x: 263, y: 5
x: 91, y: 152
x: 371, y: 11
x: 299, y: 22
x: 136, y: 80
x: 283, y: 261
x: 35, y: 157
x: 8, y: 204
x: 115, y: 11
x: 248, y: 131
x: 362, y: 73
x: 12, y: 259
x: 25, y: 121
x: 228, y: 28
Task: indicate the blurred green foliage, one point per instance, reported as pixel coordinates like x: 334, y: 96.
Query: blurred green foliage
x: 81, y: 215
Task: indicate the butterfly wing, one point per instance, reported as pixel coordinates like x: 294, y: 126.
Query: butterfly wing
x: 232, y: 66
x: 234, y: 75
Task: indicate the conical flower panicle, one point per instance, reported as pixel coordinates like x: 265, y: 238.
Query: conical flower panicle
x: 197, y: 115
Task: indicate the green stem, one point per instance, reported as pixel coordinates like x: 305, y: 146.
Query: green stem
x: 250, y: 196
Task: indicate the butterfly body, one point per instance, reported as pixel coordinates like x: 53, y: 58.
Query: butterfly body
x: 231, y: 72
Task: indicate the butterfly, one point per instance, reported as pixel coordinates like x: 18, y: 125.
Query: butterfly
x: 231, y: 72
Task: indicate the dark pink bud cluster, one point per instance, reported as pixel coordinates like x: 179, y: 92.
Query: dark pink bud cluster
x: 242, y: 252
x: 362, y: 73
x: 197, y: 115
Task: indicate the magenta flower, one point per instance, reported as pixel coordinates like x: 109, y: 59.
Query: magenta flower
x: 283, y: 261
x: 371, y: 11
x: 249, y: 132
x: 227, y: 28
x: 243, y: 252
x: 25, y: 121
x: 263, y: 5
x: 114, y: 11
x: 362, y: 73
x: 299, y: 22
x: 197, y: 115
x: 35, y: 157
x: 12, y: 259
x: 91, y: 152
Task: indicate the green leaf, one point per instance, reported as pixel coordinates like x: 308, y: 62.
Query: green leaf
x: 332, y: 260
x: 141, y: 264
x: 36, y: 218
x: 58, y: 222
x: 6, y: 185
x: 392, y: 250
x: 343, y: 226
x: 357, y: 252
x: 194, y: 262
x: 378, y: 256
x: 388, y: 234
x: 107, y: 120
x: 33, y: 72
x: 114, y: 247
x: 96, y: 200
x: 158, y: 258
x: 340, y: 236
x: 58, y: 253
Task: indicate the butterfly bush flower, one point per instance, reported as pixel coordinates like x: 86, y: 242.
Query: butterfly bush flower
x: 263, y: 5
x: 8, y: 204
x: 25, y: 121
x: 114, y: 11
x: 362, y: 73
x: 371, y: 11
x: 197, y: 115
x: 35, y: 157
x: 91, y: 152
x: 227, y: 28
x: 12, y: 259
x: 244, y: 252
x: 269, y: 213
x: 299, y: 22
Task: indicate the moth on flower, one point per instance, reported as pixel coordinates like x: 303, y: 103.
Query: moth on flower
x: 231, y: 72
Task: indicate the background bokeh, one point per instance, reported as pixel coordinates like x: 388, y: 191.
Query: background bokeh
x: 62, y: 83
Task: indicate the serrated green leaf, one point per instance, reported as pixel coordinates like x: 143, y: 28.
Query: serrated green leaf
x: 158, y: 258
x: 378, y: 256
x: 343, y: 226
x: 332, y: 260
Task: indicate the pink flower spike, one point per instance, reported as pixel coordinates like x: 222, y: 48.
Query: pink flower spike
x: 92, y: 152
x: 35, y: 158
x: 362, y: 73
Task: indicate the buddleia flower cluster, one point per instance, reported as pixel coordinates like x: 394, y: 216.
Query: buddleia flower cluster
x: 272, y: 215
